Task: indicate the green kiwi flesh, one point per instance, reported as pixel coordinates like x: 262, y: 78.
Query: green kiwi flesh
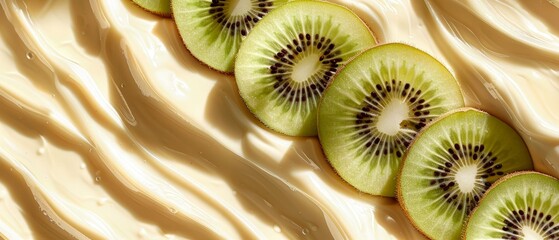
x: 523, y: 205
x: 451, y: 164
x: 213, y: 30
x: 159, y: 7
x: 375, y: 106
x: 288, y: 59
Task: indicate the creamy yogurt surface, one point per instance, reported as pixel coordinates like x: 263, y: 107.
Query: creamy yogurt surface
x: 110, y: 129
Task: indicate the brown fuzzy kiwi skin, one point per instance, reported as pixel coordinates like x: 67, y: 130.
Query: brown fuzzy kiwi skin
x: 495, y: 184
x: 169, y: 15
x: 404, y: 158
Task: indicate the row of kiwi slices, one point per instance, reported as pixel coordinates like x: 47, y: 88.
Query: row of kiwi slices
x: 390, y: 118
x: 392, y: 121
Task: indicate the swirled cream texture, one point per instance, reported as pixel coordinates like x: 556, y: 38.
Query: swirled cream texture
x: 110, y: 129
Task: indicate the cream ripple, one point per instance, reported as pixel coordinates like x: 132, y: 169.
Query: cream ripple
x: 119, y: 133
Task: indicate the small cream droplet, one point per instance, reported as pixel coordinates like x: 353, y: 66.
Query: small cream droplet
x: 41, y: 151
x: 30, y: 55
x: 82, y: 166
x: 97, y: 177
x: 142, y: 233
x: 172, y: 210
x: 305, y: 231
x: 102, y: 201
x: 277, y: 228
x: 314, y: 228
x: 44, y: 212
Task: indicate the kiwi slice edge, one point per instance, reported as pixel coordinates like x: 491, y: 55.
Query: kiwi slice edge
x: 383, y: 181
x: 307, y: 15
x: 158, y: 7
x: 213, y: 30
x: 524, y: 163
x: 547, y: 221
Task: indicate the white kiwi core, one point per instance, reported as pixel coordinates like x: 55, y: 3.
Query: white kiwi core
x: 240, y: 7
x: 530, y: 234
x: 466, y: 178
x: 392, y: 116
x: 305, y: 68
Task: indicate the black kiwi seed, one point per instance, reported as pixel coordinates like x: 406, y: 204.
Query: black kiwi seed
x: 213, y: 30
x: 467, y: 146
x: 465, y: 153
x: 301, y: 50
x: 513, y: 223
x: 393, y: 88
x: 521, y: 205
x: 302, y: 92
x: 219, y: 10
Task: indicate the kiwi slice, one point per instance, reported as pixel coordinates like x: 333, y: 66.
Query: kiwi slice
x: 451, y: 164
x: 523, y: 205
x: 159, y: 7
x: 287, y: 60
x: 213, y: 30
x: 375, y: 106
